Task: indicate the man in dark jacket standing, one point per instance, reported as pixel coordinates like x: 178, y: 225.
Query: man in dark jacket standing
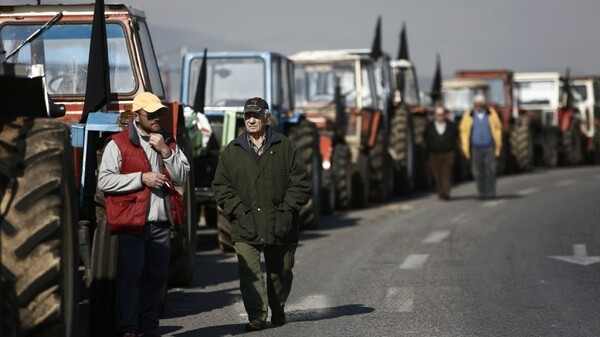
x: 441, y: 138
x: 261, y: 183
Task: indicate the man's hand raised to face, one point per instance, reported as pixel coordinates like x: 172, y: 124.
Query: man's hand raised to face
x: 158, y: 143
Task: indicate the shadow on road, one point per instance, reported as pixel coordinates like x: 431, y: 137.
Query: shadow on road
x: 336, y: 221
x: 210, y: 269
x: 293, y: 316
x: 189, y: 304
x: 215, y: 268
x: 476, y: 197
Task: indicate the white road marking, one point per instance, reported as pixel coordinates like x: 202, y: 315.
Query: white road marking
x: 239, y: 307
x: 396, y: 206
x: 580, y: 256
x: 493, y: 203
x: 566, y: 182
x: 436, y: 237
x: 414, y: 261
x: 399, y: 299
x: 310, y: 302
x: 458, y: 218
x: 528, y: 191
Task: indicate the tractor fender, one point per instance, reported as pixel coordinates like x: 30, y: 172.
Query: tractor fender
x: 564, y: 119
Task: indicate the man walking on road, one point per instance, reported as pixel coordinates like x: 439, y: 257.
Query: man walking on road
x: 139, y: 168
x: 261, y: 183
x: 441, y: 137
x: 481, y: 141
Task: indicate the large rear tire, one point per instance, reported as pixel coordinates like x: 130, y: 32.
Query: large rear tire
x: 184, y: 244
x: 341, y: 170
x: 209, y: 210
x: 521, y: 144
x: 595, y: 154
x: 423, y: 178
x: 306, y: 137
x: 103, y: 285
x: 402, y: 146
x: 39, y: 247
x: 360, y: 182
x: 571, y: 144
x: 380, y: 167
x: 550, y: 153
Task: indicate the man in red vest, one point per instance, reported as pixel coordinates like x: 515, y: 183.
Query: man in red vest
x: 139, y: 168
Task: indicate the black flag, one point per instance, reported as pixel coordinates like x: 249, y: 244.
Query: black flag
x: 376, y: 51
x: 436, y: 87
x: 97, y: 90
x: 200, y: 96
x: 403, y: 50
x: 566, y: 97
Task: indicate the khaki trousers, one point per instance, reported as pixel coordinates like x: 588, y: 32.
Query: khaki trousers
x: 279, y: 261
x: 441, y: 164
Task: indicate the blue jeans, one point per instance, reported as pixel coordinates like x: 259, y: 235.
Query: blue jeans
x: 483, y: 167
x: 142, y: 276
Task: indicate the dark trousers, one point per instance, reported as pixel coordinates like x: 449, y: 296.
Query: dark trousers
x: 441, y: 164
x: 483, y: 166
x: 279, y: 261
x: 142, y: 276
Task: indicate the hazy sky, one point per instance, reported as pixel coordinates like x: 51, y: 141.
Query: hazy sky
x: 523, y: 35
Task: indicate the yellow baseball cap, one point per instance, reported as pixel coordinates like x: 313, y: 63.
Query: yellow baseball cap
x: 147, y: 101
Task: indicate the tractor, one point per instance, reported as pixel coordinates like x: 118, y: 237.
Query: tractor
x: 230, y: 79
x: 59, y: 260
x: 586, y: 93
x: 546, y: 98
x: 458, y: 96
x: 338, y: 91
x: 517, y: 149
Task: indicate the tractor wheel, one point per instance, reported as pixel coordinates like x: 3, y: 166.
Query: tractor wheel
x: 328, y: 192
x: 402, y: 147
x: 462, y: 166
x: 521, y: 144
x: 103, y: 284
x: 380, y: 167
x: 360, y: 182
x: 502, y: 160
x: 341, y: 169
x: 210, y: 215
x: 595, y: 156
x: 306, y: 137
x: 184, y: 243
x: 571, y: 144
x: 550, y: 153
x: 224, y: 232
x: 39, y: 274
x: 423, y: 179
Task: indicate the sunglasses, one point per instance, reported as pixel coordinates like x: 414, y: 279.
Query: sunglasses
x: 155, y: 115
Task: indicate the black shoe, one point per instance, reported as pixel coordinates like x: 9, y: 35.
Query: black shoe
x: 255, y: 325
x: 278, y: 319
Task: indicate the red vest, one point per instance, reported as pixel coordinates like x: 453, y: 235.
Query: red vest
x: 126, y: 213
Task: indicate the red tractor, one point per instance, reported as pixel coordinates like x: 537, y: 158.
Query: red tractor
x: 517, y: 149
x: 337, y: 91
x: 59, y: 260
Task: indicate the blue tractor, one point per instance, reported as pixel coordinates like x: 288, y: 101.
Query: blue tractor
x: 227, y: 81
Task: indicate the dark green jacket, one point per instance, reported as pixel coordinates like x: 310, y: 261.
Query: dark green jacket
x: 262, y: 201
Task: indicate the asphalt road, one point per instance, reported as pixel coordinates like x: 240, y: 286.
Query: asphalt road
x: 525, y: 264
